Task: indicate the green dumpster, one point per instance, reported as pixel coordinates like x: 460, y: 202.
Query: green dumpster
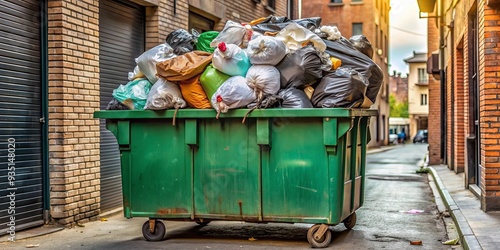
x: 279, y: 165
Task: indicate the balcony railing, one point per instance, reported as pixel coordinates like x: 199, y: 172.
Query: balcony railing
x: 422, y: 82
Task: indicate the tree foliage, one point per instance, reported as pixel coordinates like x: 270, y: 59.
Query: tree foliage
x: 398, y: 109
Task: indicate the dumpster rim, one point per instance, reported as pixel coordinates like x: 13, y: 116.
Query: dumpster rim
x: 236, y: 113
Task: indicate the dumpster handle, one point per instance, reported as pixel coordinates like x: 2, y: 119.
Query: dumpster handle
x: 335, y: 128
x: 191, y: 132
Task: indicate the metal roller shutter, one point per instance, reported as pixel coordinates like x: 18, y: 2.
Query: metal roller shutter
x: 121, y: 40
x: 20, y: 113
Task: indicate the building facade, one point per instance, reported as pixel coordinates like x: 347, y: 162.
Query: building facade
x: 61, y: 60
x: 418, y: 93
x: 398, y: 87
x: 399, y: 91
x: 468, y: 89
x: 370, y: 18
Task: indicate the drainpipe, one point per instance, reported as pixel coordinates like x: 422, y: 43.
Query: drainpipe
x: 453, y: 50
x: 45, y: 114
x: 300, y: 9
x: 441, y: 19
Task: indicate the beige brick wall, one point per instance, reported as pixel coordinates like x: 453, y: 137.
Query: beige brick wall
x: 152, y: 27
x: 73, y: 97
x: 161, y: 20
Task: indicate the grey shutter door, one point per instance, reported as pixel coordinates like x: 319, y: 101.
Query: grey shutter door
x: 20, y: 112
x: 121, y: 40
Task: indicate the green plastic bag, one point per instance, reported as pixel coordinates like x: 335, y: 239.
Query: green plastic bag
x: 211, y: 79
x: 204, y: 41
x: 134, y: 93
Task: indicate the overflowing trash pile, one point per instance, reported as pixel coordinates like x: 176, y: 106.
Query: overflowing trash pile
x: 271, y: 62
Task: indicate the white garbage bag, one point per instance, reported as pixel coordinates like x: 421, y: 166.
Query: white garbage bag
x: 266, y: 50
x: 148, y: 60
x: 164, y: 95
x: 263, y: 79
x: 294, y: 36
x: 232, y: 33
x: 233, y: 93
x: 230, y: 60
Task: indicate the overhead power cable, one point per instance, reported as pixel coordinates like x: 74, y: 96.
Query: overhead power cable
x: 406, y: 31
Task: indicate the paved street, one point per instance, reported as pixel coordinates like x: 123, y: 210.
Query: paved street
x: 393, y: 188
x: 399, y: 208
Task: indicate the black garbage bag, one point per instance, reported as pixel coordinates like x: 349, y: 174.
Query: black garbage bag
x: 276, y: 19
x: 274, y: 24
x: 342, y: 88
x: 116, y: 105
x: 294, y: 98
x: 181, y: 41
x: 354, y: 59
x: 269, y: 101
x: 301, y: 68
x: 361, y: 43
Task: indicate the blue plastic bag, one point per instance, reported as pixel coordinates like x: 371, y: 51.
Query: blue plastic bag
x: 133, y: 94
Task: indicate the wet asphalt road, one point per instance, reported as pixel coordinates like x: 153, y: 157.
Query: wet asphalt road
x: 399, y: 208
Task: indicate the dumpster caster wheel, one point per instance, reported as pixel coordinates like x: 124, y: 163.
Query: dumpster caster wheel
x: 350, y: 221
x: 158, y: 233
x: 202, y: 223
x: 323, y: 241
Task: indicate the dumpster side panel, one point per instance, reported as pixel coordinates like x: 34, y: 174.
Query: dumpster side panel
x: 354, y: 168
x: 160, y: 170
x: 227, y: 170
x: 295, y: 184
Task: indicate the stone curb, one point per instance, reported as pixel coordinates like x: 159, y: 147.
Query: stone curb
x: 467, y: 237
x: 379, y: 150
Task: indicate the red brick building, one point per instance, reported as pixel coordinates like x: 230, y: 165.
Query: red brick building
x: 370, y: 18
x: 60, y: 61
x: 464, y: 118
x: 398, y: 87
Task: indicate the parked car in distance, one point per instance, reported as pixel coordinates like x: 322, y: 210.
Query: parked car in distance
x: 421, y: 136
x: 393, y: 138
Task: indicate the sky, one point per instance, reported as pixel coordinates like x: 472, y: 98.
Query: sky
x: 407, y: 33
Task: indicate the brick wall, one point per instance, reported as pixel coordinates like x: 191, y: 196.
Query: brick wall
x: 434, y: 121
x: 489, y: 46
x: 399, y: 87
x: 168, y: 21
x: 246, y: 11
x: 152, y: 27
x: 161, y: 20
x: 467, y: 97
x: 73, y: 97
x: 459, y: 117
x: 343, y: 15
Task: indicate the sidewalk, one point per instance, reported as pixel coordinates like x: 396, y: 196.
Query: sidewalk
x: 477, y: 229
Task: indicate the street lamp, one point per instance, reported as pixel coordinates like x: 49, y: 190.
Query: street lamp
x: 426, y: 5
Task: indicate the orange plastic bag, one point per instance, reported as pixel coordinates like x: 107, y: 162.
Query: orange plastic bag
x: 185, y: 66
x: 193, y: 93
